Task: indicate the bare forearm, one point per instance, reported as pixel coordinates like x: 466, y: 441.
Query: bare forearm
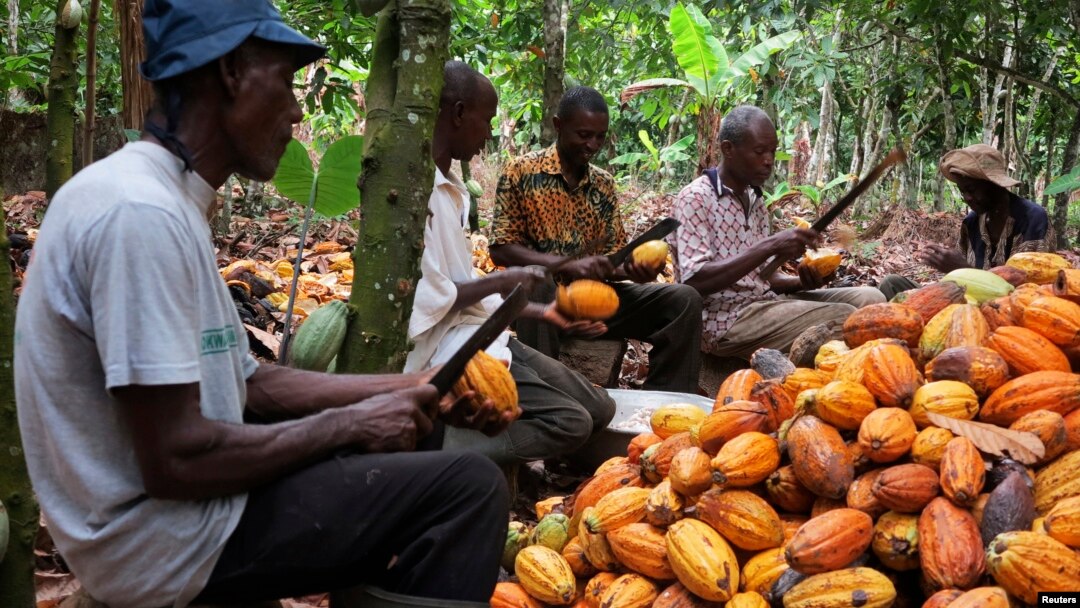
x: 784, y: 283
x: 714, y: 276
x: 520, y: 255
x: 283, y: 393
x: 471, y: 292
x: 221, y: 459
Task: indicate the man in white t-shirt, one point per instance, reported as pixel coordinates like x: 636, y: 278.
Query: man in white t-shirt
x: 133, y: 376
x: 561, y: 409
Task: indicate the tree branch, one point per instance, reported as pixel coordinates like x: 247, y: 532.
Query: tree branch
x: 368, y: 8
x: 994, y: 66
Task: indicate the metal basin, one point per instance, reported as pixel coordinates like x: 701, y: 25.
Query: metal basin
x: 612, y: 442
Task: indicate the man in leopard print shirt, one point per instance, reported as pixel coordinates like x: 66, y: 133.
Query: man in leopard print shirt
x: 553, y: 203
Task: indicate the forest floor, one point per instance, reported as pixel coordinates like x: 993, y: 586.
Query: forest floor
x: 875, y: 246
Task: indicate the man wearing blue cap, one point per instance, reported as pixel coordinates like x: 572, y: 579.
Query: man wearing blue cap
x: 134, y: 381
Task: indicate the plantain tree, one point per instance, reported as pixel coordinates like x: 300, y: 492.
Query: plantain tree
x: 19, y: 523
x: 403, y: 88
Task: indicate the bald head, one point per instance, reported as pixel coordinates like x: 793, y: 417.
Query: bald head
x: 738, y: 123
x: 463, y: 84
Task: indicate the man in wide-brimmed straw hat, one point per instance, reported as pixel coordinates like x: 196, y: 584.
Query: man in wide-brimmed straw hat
x: 1000, y: 224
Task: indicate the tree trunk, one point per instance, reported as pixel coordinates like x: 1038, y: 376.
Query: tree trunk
x: 17, y: 567
x: 1051, y: 152
x: 555, y: 15
x: 950, y: 126
x: 1024, y: 156
x: 60, y: 119
x: 91, y: 76
x: 410, y: 48
x: 138, y: 95
x: 990, y: 109
x: 820, y: 160
x: 1061, y: 202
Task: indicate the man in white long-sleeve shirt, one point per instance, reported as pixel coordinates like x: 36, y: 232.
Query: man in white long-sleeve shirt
x: 560, y: 408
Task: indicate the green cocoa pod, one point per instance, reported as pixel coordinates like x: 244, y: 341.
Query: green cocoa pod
x: 320, y: 336
x: 517, y: 538
x: 552, y: 532
x: 474, y: 188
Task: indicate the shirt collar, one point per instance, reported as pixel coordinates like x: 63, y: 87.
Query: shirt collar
x: 450, y: 180
x: 552, y: 165
x: 726, y: 190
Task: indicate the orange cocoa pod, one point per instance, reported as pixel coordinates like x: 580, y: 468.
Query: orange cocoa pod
x: 1013, y: 275
x: 702, y: 560
x: 929, y: 446
x: 896, y: 540
x: 779, y: 405
x: 731, y: 420
x: 843, y: 404
x: 678, y: 596
x: 597, y: 585
x: 1049, y: 390
x: 1072, y: 431
x: 981, y: 368
x: 1063, y: 522
x: 741, y: 517
x: 574, y: 554
x: 642, y: 548
x: 513, y: 595
x: 1020, y: 298
x: 982, y: 597
x: 830, y: 541
x: 943, y: 598
x: 748, y: 599
x: 950, y: 546
x: 824, y: 505
x: 762, y: 570
x: 639, y: 444
x: 998, y: 312
x: 587, y: 299
x: 858, y: 456
x: 664, y: 505
x: 885, y: 320
x: 786, y: 491
x: 1026, y: 351
x: 744, y: 461
x: 736, y: 387
x: 629, y: 591
x: 891, y: 376
x: 860, y: 494
x: 819, y: 457
x: 619, y: 508
x: 690, y: 472
x: 946, y: 397
x: 887, y: 434
x: 1025, y: 563
x: 1049, y: 427
x: 595, y: 488
x: 656, y: 461
x: 956, y: 325
x: 804, y: 378
x: 979, y: 507
x: 906, y: 488
x: 1056, y: 481
x: 792, y: 522
x: 931, y: 299
x: 1054, y: 318
x: 963, y: 472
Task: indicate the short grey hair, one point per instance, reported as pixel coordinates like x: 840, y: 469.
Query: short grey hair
x: 738, y: 121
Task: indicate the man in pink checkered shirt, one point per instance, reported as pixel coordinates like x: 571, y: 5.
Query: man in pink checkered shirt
x: 725, y: 239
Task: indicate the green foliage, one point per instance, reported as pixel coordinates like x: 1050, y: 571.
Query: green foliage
x: 1065, y: 183
x: 332, y: 189
x: 654, y: 159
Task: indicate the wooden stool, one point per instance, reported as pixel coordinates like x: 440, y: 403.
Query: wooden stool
x: 600, y: 361
x: 714, y: 370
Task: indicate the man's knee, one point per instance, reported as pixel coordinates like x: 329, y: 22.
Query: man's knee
x: 475, y: 475
x: 686, y: 298
x: 865, y: 296
x: 601, y: 409
x: 834, y: 312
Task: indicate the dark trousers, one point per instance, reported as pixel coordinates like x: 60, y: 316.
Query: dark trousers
x: 893, y: 284
x: 666, y: 316
x: 560, y: 411
x: 426, y: 524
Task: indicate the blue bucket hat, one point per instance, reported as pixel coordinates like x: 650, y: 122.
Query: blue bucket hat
x: 182, y: 35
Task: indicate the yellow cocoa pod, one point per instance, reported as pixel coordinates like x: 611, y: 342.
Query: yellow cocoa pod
x: 490, y: 379
x: 702, y: 560
x: 545, y: 575
x: 675, y: 418
x: 586, y: 299
x: 651, y: 254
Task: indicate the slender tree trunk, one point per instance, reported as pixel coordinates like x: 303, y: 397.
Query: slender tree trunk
x: 91, y: 76
x: 1061, y: 202
x: 820, y: 160
x: 950, y: 126
x: 138, y: 95
x: 60, y: 119
x: 410, y: 48
x: 1023, y: 155
x: 1008, y: 131
x: 990, y: 109
x: 17, y: 567
x: 12, y: 45
x: 555, y: 15
x: 1051, y: 152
